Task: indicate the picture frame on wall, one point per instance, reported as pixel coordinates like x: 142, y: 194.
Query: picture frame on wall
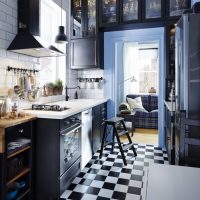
x: 177, y: 7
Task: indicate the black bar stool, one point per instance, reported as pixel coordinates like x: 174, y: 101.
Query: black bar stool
x: 116, y: 122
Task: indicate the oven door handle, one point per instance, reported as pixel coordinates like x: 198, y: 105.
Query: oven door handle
x: 71, y: 130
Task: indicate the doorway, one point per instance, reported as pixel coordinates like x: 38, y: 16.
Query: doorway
x: 140, y: 71
x: 113, y: 51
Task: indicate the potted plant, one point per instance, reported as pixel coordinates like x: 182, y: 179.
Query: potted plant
x: 55, y: 90
x: 49, y: 88
x: 59, y: 86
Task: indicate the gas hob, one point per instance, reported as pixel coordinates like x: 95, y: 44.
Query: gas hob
x: 45, y: 107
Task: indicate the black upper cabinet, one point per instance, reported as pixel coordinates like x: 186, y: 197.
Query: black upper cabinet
x: 109, y: 12
x: 153, y: 10
x: 130, y: 11
x: 114, y: 12
x: 175, y: 8
x: 83, y: 16
x: 77, y: 16
x: 84, y: 53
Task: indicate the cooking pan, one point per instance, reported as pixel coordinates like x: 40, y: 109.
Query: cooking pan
x: 13, y: 188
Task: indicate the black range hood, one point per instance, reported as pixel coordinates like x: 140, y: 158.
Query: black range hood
x: 27, y: 41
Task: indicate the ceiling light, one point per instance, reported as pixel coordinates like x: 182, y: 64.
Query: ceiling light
x: 61, y: 38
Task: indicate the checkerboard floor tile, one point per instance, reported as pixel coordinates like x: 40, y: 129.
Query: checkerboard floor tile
x: 109, y: 178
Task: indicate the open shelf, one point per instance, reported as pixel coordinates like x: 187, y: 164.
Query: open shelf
x: 21, y: 195
x: 18, y: 152
x: 25, y: 170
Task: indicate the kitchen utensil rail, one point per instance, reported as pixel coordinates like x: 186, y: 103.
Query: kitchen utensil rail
x: 21, y: 70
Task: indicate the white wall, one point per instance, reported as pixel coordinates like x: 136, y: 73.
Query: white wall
x: 8, y: 30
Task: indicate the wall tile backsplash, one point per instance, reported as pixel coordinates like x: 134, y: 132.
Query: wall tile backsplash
x: 91, y: 92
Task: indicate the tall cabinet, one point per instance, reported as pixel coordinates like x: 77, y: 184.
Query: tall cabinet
x: 84, y: 34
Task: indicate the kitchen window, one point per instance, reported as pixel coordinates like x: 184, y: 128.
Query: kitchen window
x: 52, y: 68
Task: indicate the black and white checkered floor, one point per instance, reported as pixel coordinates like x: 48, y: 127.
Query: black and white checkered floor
x: 108, y: 178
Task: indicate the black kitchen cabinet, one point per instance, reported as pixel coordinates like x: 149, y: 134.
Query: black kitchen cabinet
x: 153, y: 10
x: 99, y: 114
x: 170, y: 57
x: 174, y: 8
x: 109, y: 12
x: 115, y: 12
x: 84, y: 53
x: 17, y: 163
x: 187, y: 140
x: 85, y: 41
x: 170, y: 134
x: 58, y: 152
x: 130, y: 11
x: 84, y: 18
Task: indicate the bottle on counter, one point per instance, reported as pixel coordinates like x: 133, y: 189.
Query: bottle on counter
x: 76, y: 95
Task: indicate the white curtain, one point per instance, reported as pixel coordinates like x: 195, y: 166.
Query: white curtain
x: 131, y: 67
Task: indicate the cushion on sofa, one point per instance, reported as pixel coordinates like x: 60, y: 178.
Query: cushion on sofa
x: 135, y: 103
x: 144, y: 98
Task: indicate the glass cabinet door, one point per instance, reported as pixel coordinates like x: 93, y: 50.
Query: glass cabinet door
x: 153, y: 9
x: 77, y: 18
x: 108, y: 11
x: 90, y: 19
x: 176, y: 7
x: 130, y: 10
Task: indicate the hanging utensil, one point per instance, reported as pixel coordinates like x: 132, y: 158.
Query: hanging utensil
x: 17, y: 88
x: 33, y: 95
x: 27, y: 83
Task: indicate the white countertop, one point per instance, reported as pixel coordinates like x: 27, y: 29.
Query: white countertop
x: 75, y: 106
x: 169, y: 182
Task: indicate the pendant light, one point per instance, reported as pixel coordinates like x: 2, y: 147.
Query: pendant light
x: 61, y: 38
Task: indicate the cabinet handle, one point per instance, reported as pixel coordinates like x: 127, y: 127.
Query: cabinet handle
x: 21, y: 131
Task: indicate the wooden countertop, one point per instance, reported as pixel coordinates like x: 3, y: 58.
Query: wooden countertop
x: 6, y: 123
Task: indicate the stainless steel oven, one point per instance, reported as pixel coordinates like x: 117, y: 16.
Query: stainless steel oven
x: 70, y: 150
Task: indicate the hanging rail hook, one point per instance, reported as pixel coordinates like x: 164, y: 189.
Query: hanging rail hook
x: 24, y: 70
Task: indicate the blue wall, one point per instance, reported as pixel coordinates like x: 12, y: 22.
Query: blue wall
x: 113, y: 42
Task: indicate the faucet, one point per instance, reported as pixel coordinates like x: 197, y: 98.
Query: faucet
x: 66, y: 89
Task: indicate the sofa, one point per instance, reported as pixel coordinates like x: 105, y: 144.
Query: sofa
x: 147, y: 117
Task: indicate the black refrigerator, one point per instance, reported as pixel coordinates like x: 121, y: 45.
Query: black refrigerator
x: 187, y: 85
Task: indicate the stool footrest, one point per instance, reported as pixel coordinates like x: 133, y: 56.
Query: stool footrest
x: 122, y: 133
x: 116, y: 122
x: 127, y: 146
